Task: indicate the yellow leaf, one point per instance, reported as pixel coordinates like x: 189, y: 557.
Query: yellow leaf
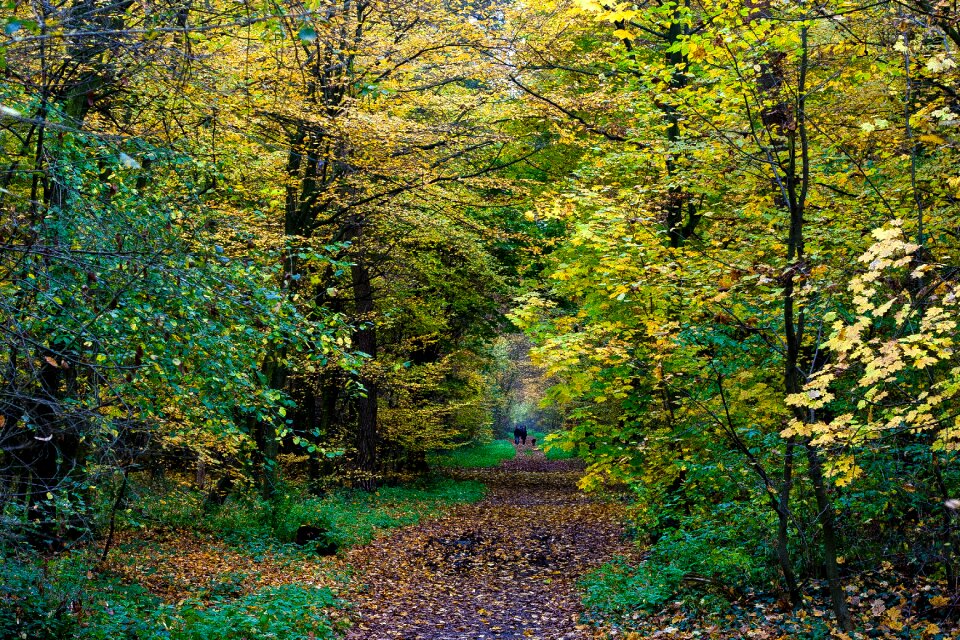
x: 939, y: 601
x: 892, y: 619
x: 929, y: 137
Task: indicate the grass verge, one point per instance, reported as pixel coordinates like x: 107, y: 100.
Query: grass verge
x: 475, y: 456
x: 551, y: 451
x: 350, y: 517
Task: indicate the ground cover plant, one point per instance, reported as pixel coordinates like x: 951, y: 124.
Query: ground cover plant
x: 62, y: 599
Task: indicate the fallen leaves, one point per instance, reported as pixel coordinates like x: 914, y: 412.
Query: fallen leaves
x: 881, y: 608
x: 506, y: 567
x: 177, y: 564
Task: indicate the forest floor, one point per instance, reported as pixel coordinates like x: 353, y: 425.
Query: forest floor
x: 503, y: 568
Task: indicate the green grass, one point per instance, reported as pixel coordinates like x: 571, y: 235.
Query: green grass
x: 357, y: 517
x: 556, y: 453
x: 351, y: 517
x: 488, y: 454
x: 551, y: 453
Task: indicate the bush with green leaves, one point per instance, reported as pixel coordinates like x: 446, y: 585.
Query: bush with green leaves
x: 56, y: 599
x: 139, y: 321
x: 289, y: 612
x: 32, y: 603
x: 552, y: 450
x: 706, y: 563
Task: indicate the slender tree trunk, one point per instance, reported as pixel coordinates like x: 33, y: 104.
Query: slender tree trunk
x: 783, y: 526
x: 779, y: 498
x: 266, y: 431
x: 828, y: 527
x: 785, y: 124
x: 950, y: 539
x: 365, y: 340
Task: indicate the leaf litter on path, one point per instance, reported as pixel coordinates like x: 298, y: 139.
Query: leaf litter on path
x: 503, y: 568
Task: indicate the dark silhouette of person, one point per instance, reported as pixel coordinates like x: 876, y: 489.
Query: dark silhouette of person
x: 523, y: 434
x: 517, y: 432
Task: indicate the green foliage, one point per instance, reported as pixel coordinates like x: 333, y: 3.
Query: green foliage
x: 480, y: 455
x: 350, y: 517
x: 619, y: 589
x: 34, y: 604
x: 136, y: 328
x: 703, y: 563
x: 58, y: 599
x: 290, y: 612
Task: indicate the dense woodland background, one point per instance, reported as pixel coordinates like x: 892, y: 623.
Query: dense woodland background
x: 246, y: 246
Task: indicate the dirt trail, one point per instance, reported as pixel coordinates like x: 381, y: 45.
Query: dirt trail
x: 504, y: 568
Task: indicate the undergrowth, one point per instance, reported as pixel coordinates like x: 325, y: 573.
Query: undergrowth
x: 63, y: 597
x: 349, y: 517
x: 703, y: 575
x: 482, y: 455
x: 701, y: 567
x: 60, y: 598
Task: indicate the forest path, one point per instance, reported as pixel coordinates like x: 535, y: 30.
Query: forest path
x: 503, y: 568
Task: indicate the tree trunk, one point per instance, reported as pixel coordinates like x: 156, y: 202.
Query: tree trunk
x: 785, y: 124
x: 783, y: 527
x: 365, y: 340
x: 828, y: 526
x: 266, y: 432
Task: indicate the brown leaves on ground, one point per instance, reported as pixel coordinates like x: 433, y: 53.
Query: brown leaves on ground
x: 503, y: 568
x: 178, y: 564
x: 530, y: 459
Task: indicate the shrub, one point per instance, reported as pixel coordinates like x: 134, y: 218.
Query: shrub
x: 618, y: 589
x: 705, y: 563
x: 56, y: 599
x: 288, y: 612
x: 34, y: 603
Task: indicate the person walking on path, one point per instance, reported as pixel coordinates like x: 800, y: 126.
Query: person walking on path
x: 517, y: 432
x: 523, y: 434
